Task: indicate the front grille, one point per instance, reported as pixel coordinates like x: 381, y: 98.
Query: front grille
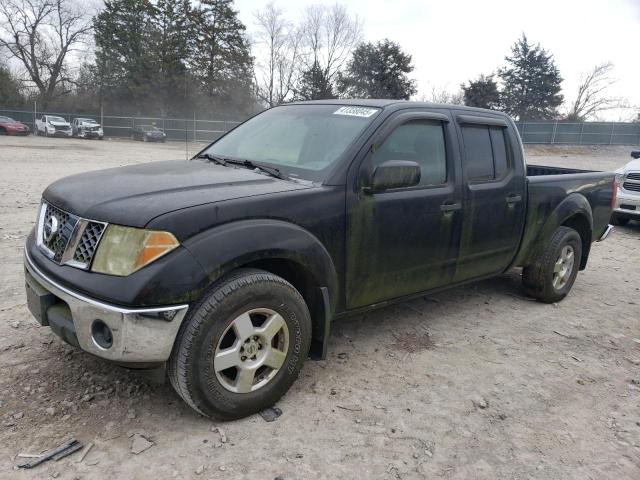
x: 57, y: 242
x: 60, y: 128
x: 628, y: 207
x: 634, y: 187
x: 66, y: 238
x: 633, y: 176
x: 88, y: 242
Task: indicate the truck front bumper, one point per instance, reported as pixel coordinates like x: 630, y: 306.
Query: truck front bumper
x: 122, y: 335
x: 627, y: 205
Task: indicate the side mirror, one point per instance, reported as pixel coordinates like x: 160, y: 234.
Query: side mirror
x: 635, y: 154
x: 394, y: 174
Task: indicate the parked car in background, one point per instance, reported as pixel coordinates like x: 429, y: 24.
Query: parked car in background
x: 148, y: 133
x: 9, y: 126
x: 627, y: 205
x: 53, y: 126
x: 86, y: 128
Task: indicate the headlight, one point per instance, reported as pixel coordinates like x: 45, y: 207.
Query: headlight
x: 124, y: 250
x: 619, y: 178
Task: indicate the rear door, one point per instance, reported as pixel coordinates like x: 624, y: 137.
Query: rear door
x: 405, y: 240
x: 493, y: 195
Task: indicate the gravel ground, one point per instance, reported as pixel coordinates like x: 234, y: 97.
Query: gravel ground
x: 478, y: 382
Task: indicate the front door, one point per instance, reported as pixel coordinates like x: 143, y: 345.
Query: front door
x: 405, y: 240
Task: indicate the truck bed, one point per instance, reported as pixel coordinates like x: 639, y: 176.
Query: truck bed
x: 548, y: 187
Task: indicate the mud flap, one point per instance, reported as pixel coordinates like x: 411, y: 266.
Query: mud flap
x: 321, y: 326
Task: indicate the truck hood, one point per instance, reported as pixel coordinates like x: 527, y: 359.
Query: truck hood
x: 60, y: 124
x: 135, y: 194
x: 632, y: 166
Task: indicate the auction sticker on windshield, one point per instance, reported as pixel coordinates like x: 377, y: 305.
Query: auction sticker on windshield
x: 356, y: 111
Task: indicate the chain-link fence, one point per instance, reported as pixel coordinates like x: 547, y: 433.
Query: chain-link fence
x: 191, y: 129
x: 200, y: 130
x: 580, y: 133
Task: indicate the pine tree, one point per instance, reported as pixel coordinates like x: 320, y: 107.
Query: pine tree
x: 482, y: 93
x: 378, y: 70
x: 172, y: 46
x: 10, y: 94
x: 531, y: 82
x: 314, y: 85
x: 221, y: 60
x: 125, y: 64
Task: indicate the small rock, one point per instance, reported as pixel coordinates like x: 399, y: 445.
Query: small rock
x: 222, y: 468
x: 199, y: 470
x: 480, y: 402
x: 140, y: 444
x: 87, y: 398
x: 333, y: 391
x: 131, y: 414
x: 270, y: 414
x: 50, y: 411
x: 18, y: 416
x: 223, y: 436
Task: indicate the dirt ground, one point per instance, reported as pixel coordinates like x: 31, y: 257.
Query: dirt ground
x: 475, y: 383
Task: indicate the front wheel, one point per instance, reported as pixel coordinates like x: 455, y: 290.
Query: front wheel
x: 551, y: 276
x: 242, y: 347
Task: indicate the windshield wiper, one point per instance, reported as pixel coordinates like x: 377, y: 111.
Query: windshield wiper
x: 273, y: 171
x: 214, y: 158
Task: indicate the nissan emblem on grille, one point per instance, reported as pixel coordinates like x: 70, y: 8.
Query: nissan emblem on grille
x: 66, y: 238
x: 50, y: 228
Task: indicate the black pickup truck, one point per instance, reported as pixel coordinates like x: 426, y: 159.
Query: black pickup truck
x: 228, y: 269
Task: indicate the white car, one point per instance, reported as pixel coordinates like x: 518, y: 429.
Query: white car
x: 86, y: 128
x: 53, y: 126
x: 627, y: 205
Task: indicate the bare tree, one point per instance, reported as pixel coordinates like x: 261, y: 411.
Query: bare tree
x: 330, y: 34
x: 443, y: 95
x: 41, y: 35
x: 279, y: 45
x: 592, y: 95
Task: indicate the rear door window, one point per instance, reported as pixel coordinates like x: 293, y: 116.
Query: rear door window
x: 486, y: 155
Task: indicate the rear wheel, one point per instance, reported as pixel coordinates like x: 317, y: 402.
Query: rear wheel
x: 551, y: 276
x: 242, y: 347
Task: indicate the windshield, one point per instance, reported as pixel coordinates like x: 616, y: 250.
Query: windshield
x: 148, y: 128
x: 304, y: 139
x: 87, y: 120
x: 6, y: 119
x: 56, y: 119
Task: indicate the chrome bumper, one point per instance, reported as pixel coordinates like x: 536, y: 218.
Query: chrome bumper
x: 140, y: 335
x: 606, y: 233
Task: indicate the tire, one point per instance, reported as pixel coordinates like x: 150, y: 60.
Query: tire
x: 3, y: 131
x: 194, y: 368
x: 619, y: 221
x: 541, y: 280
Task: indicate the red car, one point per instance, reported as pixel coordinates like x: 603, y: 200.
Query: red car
x: 9, y: 126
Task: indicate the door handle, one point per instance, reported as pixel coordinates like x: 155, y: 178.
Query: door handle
x: 450, y: 206
x: 514, y: 198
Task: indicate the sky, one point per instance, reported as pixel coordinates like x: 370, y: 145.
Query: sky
x: 452, y: 41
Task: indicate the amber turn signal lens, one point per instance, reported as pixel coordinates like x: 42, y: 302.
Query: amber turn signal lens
x: 156, y: 245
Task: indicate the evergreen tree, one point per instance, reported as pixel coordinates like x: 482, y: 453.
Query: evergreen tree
x: 221, y: 60
x: 482, y: 92
x: 531, y: 82
x: 378, y: 70
x: 125, y: 61
x: 314, y: 85
x: 10, y: 92
x: 172, y: 45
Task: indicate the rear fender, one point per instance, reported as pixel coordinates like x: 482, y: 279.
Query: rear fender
x: 574, y: 211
